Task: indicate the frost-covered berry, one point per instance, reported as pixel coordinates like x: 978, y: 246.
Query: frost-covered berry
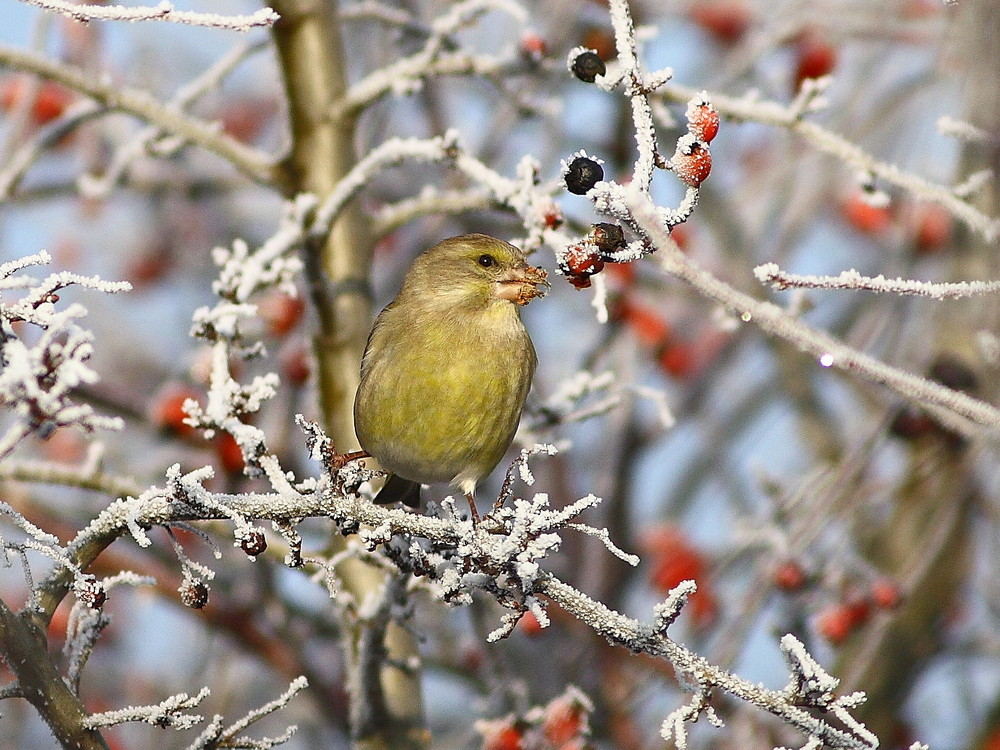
x: 252, y: 542
x: 692, y: 161
x: 587, y: 66
x: 703, y: 119
x: 607, y: 237
x: 194, y: 594
x: 579, y: 263
x: 91, y: 592
x: 582, y: 174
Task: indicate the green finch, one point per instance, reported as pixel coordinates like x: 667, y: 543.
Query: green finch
x: 447, y: 367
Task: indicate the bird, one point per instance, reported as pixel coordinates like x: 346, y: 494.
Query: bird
x: 447, y: 368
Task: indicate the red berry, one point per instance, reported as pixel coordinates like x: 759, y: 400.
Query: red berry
x: 503, y: 734
x: 864, y: 216
x: 529, y: 624
x: 703, y: 120
x: 281, y: 312
x: 814, y: 58
x: 533, y: 46
x: 678, y: 358
x: 296, y: 364
x: 646, y: 324
x: 692, y: 161
x: 675, y: 559
x: 789, y: 576
x: 564, y: 721
x: 579, y: 263
x: 726, y: 20
x: 933, y: 228
x: 835, y: 623
x: 167, y: 412
x: 885, y: 594
x: 229, y: 453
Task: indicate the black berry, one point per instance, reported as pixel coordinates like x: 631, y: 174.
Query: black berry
x: 582, y: 175
x: 587, y: 66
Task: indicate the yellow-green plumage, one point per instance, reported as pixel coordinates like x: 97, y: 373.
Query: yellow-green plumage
x: 448, y: 365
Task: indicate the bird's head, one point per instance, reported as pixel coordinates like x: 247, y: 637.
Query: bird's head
x: 477, y: 269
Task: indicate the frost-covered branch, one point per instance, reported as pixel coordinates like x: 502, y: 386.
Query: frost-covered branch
x: 789, y: 705
x: 405, y: 76
x: 164, y: 11
x: 770, y: 273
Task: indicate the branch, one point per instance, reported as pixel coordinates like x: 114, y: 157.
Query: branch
x: 162, y: 12
x: 770, y: 273
x: 252, y: 163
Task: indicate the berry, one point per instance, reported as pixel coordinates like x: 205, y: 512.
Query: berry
x: 789, y: 576
x: 648, y: 325
x: 677, y: 358
x: 864, y: 216
x: 607, y: 237
x: 582, y: 174
x: 564, y: 721
x: 579, y: 263
x: 692, y: 161
x: 703, y: 119
x: 229, y: 453
x: 253, y: 542
x: 587, y: 66
x: 281, y: 312
x: 885, y: 594
x: 194, y: 594
x: 954, y: 373
x: 167, y: 412
x: 533, y: 47
x: 295, y: 364
x: 501, y: 734
x: 529, y: 624
x: 911, y: 423
x: 933, y: 228
x: 814, y: 58
x: 726, y: 20
x: 91, y: 592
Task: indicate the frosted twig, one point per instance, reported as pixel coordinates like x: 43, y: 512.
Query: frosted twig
x: 165, y: 11
x: 167, y: 713
x: 770, y: 273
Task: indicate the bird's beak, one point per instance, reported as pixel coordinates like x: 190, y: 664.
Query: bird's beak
x: 521, y: 285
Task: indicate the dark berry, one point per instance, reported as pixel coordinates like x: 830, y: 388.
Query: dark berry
x: 583, y: 173
x: 608, y: 237
x: 587, y: 66
x: 252, y: 542
x: 194, y: 594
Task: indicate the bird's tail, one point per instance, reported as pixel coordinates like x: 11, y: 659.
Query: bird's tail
x: 397, y: 489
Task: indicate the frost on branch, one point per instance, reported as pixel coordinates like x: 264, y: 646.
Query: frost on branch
x: 38, y: 378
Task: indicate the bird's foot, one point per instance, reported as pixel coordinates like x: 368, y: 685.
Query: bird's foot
x: 337, y: 461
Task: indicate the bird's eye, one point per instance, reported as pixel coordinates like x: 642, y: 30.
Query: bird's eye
x: 487, y: 261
